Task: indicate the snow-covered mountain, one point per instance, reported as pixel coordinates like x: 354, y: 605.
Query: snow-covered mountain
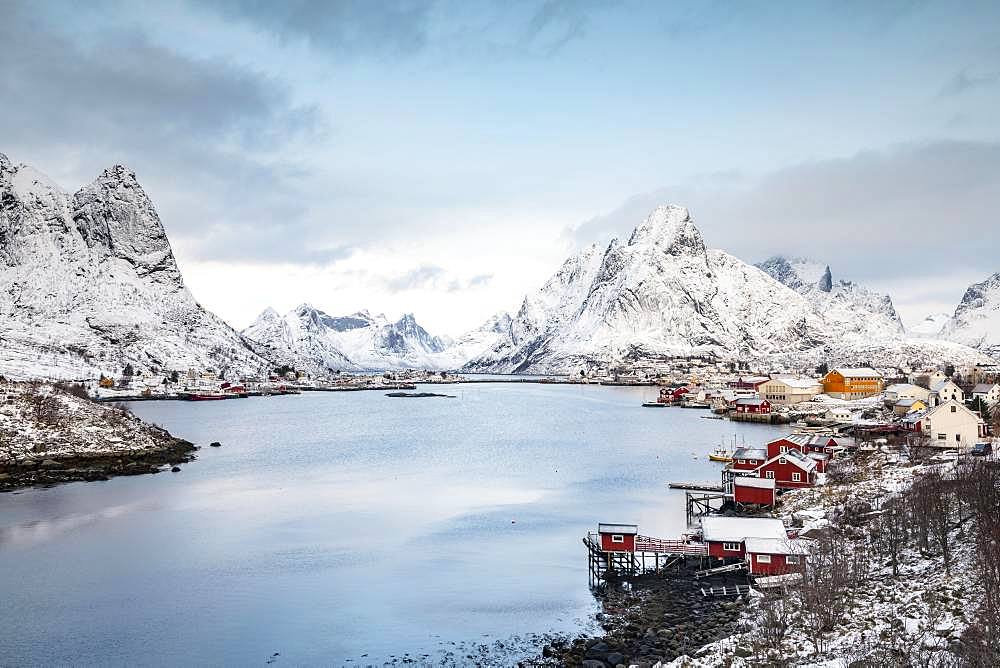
x: 976, y: 321
x: 663, y: 293
x: 88, y: 284
x: 930, y: 326
x: 309, y: 339
x: 863, y: 313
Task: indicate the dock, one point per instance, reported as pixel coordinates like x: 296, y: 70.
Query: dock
x: 697, y: 486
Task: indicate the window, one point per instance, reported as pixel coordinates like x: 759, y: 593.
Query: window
x: 741, y: 461
x: 954, y: 409
x: 753, y: 461
x: 770, y: 474
x: 782, y: 460
x: 731, y: 547
x: 617, y: 538
x: 942, y: 437
x: 958, y: 437
x: 784, y: 448
x: 763, y: 558
x: 796, y: 477
x: 791, y: 558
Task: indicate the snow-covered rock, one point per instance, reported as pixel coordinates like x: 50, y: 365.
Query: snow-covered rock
x: 930, y: 326
x: 663, y: 293
x: 88, y: 284
x: 309, y: 339
x: 976, y: 321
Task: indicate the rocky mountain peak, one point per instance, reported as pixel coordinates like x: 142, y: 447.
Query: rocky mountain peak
x: 669, y: 228
x: 826, y: 281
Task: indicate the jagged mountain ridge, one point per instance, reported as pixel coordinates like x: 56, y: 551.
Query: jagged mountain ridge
x: 310, y: 339
x: 88, y: 284
x: 663, y: 293
x: 976, y: 321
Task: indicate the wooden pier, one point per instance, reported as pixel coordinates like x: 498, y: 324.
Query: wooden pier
x: 697, y: 486
x: 650, y: 555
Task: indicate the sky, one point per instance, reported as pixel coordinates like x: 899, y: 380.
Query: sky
x: 443, y: 158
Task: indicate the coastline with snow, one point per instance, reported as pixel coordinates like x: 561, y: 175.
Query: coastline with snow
x: 49, y: 435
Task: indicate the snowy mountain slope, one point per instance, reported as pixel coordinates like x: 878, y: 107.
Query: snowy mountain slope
x: 88, y: 284
x: 976, y: 321
x: 930, y: 326
x: 867, y: 314
x: 663, y: 293
x: 309, y: 339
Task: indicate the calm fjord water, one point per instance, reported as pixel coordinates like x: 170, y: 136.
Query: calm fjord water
x: 345, y: 528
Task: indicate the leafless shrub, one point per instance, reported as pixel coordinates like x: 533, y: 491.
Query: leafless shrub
x: 834, y: 570
x: 75, y: 389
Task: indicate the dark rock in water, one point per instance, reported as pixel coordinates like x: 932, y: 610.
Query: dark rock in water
x: 176, y: 469
x: 417, y: 395
x: 215, y: 444
x: 615, y: 658
x: 593, y: 663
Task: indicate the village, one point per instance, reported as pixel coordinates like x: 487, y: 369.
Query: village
x: 808, y: 533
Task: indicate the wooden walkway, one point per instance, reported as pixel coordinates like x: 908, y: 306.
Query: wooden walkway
x: 697, y: 486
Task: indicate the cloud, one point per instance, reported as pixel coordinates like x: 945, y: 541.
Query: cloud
x: 963, y: 82
x: 346, y: 27
x: 911, y: 210
x: 207, y: 137
x: 432, y: 277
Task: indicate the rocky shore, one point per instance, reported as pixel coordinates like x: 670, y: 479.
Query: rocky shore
x: 49, y: 435
x: 647, y: 620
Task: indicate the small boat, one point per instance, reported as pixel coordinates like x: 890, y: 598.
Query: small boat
x: 720, y: 454
x: 205, y: 397
x: 654, y: 404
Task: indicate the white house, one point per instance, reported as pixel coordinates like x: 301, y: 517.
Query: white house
x: 789, y: 390
x: 953, y: 425
x: 988, y: 392
x: 929, y: 376
x: 840, y: 414
x: 945, y: 390
x: 894, y: 393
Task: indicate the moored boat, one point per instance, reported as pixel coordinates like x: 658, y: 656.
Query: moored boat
x: 720, y: 454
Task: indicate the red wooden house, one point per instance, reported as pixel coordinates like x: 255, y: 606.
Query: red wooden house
x: 790, y: 470
x: 770, y: 556
x: 726, y: 536
x: 750, y: 491
x: 617, y: 537
x: 816, y: 447
x: 748, y: 459
x: 748, y: 382
x: 754, y: 406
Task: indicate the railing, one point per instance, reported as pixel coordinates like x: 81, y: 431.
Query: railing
x: 648, y: 544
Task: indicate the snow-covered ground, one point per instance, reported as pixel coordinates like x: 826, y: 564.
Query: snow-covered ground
x: 924, y: 608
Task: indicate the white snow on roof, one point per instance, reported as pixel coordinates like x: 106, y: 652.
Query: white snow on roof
x: 618, y: 528
x: 737, y: 529
x: 799, y: 383
x: 860, y: 372
x: 747, y: 481
x: 775, y: 546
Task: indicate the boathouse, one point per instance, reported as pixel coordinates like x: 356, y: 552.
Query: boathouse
x: 772, y: 556
x: 748, y: 491
x: 726, y: 536
x: 748, y: 459
x: 790, y: 470
x: 617, y: 537
x: 751, y: 406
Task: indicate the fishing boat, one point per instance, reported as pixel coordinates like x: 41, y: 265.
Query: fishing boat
x: 720, y: 454
x: 205, y: 396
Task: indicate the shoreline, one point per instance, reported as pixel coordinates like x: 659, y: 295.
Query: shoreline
x: 57, y: 469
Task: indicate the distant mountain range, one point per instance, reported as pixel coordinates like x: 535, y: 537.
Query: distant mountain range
x: 88, y: 284
x: 663, y: 293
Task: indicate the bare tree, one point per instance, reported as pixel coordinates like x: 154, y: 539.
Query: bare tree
x: 890, y: 533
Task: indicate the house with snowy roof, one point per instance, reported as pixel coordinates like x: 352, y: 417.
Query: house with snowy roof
x: 791, y: 390
x: 894, y: 393
x: 945, y: 390
x: 852, y: 383
x: 952, y: 425
x: 987, y: 392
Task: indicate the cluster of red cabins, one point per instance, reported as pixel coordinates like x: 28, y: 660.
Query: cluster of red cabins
x: 752, y: 480
x: 755, y: 475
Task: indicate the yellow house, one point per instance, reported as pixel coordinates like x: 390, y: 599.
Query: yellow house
x: 852, y: 383
x: 904, y: 406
